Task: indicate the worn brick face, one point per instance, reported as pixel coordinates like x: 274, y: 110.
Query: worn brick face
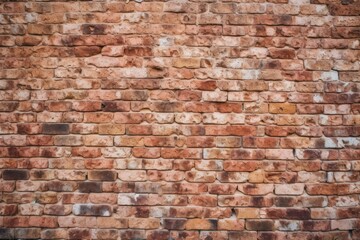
x: 227, y: 119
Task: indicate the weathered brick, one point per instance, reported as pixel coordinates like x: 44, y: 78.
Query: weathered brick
x: 55, y: 128
x: 186, y: 62
x: 256, y: 189
x: 8, y: 210
x: 282, y: 108
x: 144, y: 223
x: 15, y: 174
x: 260, y: 225
x: 60, y: 210
x: 92, y: 210
x: 86, y: 51
x: 282, y: 53
x: 88, y: 187
x: 28, y: 233
x: 201, y: 224
x: 174, y: 223
x: 79, y: 233
x: 103, y: 175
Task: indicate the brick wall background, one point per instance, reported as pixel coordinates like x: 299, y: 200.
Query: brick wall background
x: 201, y: 119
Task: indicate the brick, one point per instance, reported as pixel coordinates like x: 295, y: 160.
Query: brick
x: 103, y: 175
x: 60, y: 186
x: 186, y: 62
x: 78, y: 233
x: 86, y: 152
x: 53, y: 233
x: 146, y: 152
x: 137, y: 51
x: 144, y: 223
x: 198, y: 176
x: 247, y: 213
x: 318, y: 225
x: 265, y: 142
x: 158, y: 234
x: 232, y: 177
x: 92, y: 210
x: 9, y: 210
x: 251, y: 235
x: 86, y: 51
x: 256, y: 189
x: 15, y: 174
x: 139, y: 130
x: 86, y: 106
x: 6, y: 233
x: 96, y: 29
x: 174, y: 223
x: 282, y: 108
x: 113, y: 51
x: 132, y: 175
x: 206, y: 201
x: 327, y: 189
x: 42, y: 221
x: 115, y: 106
x: 260, y: 225
x: 285, y: 53
x: 59, y: 210
x: 231, y: 224
x: 216, y: 96
x: 279, y: 154
x: 201, y: 224
x: 55, y: 128
x: 96, y: 140
x: 72, y: 140
x: 28, y: 233
x: 241, y: 166
x: 88, y: 187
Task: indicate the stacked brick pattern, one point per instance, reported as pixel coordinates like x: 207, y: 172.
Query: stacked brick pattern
x: 201, y: 119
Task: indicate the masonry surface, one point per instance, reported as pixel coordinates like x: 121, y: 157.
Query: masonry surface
x: 201, y: 119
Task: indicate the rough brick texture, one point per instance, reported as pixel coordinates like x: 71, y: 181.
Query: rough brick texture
x: 180, y: 119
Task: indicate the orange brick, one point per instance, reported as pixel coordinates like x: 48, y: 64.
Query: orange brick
x: 282, y: 108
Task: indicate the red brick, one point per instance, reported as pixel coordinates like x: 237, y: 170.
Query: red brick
x: 92, y: 210
x: 79, y: 233
x: 42, y: 221
x: 206, y: 201
x: 174, y: 223
x: 241, y: 166
x: 327, y: 189
x: 282, y: 53
x: 86, y: 106
x: 7, y: 210
x: 104, y: 175
x: 86, y: 152
x: 256, y: 189
x: 146, y: 152
x: 231, y: 224
x: 282, y: 108
x: 55, y: 209
x: 260, y: 225
x: 86, y: 51
x: 144, y: 223
x: 257, y: 142
x: 201, y: 224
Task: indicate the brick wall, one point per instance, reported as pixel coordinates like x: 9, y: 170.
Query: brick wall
x: 201, y: 119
